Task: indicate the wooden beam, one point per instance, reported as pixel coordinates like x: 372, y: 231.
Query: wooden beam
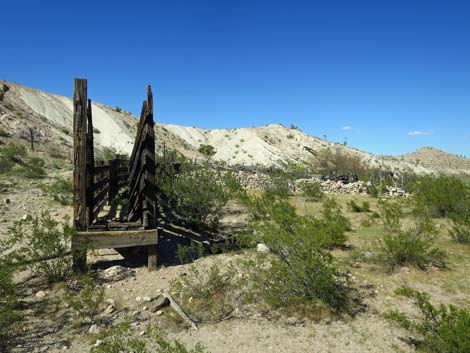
x: 117, y: 239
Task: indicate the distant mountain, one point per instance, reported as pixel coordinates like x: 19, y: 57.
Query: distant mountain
x: 51, y: 116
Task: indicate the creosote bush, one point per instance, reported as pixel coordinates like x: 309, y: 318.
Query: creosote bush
x: 42, y: 244
x: 8, y: 304
x: 440, y: 196
x: 460, y: 230
x: 210, y: 295
x: 415, y: 246
x: 15, y: 157
x: 86, y: 298
x: 197, y: 194
x: 365, y: 207
x: 312, y: 191
x: 442, y: 329
x: 121, y: 338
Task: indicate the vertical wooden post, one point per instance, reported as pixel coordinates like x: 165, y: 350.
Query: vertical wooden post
x: 150, y: 216
x: 80, y: 217
x: 90, y: 165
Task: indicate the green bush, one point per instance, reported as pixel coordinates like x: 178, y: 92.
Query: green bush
x: 198, y: 195
x: 414, y: 246
x: 312, y: 191
x: 365, y: 207
x: 8, y: 303
x: 121, y: 338
x: 60, y: 189
x: 302, y: 272
x: 189, y: 253
x: 86, y: 299
x: 42, y: 244
x: 440, y: 196
x: 460, y: 230
x: 34, y: 168
x: 209, y: 295
x: 4, y: 133
x: 442, y: 329
x: 332, y: 213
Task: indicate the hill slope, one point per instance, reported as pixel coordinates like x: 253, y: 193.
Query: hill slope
x: 51, y: 116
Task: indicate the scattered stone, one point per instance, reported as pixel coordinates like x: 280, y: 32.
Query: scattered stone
x: 159, y: 313
x: 117, y: 272
x: 159, y: 302
x: 142, y: 333
x: 135, y: 312
x: 94, y: 329
x: 41, y: 294
x: 98, y: 343
x: 110, y: 309
x: 262, y: 248
x: 138, y: 299
x: 147, y: 299
x: 110, y: 302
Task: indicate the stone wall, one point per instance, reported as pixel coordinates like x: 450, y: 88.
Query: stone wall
x: 251, y: 180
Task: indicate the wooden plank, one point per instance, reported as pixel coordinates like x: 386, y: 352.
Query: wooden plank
x: 100, y: 169
x: 100, y: 207
x: 101, y: 195
x: 117, y: 239
x: 100, y: 183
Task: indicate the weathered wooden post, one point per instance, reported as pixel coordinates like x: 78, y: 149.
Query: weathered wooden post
x: 149, y: 197
x: 90, y: 165
x: 80, y: 216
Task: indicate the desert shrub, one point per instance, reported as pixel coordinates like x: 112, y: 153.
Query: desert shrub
x: 441, y: 329
x: 365, y: 207
x: 370, y: 219
x: 42, y: 244
x: 121, y: 338
x: 332, y: 213
x: 34, y: 168
x: 8, y: 303
x: 460, y: 230
x: 312, y: 191
x: 207, y: 150
x: 209, y: 295
x: 198, y: 195
x: 189, y: 253
x: 339, y: 162
x: 290, y: 136
x: 86, y: 298
x: 415, y: 246
x: 440, y: 196
x: 11, y: 154
x: 96, y: 131
x: 65, y: 131
x: 4, y: 133
x: 60, y: 189
x: 279, y: 183
x: 301, y: 271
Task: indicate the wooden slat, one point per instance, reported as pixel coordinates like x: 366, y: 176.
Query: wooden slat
x: 100, y: 169
x: 100, y: 207
x: 100, y: 183
x: 117, y: 239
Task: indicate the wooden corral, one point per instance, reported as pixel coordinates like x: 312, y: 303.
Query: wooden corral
x: 98, y: 184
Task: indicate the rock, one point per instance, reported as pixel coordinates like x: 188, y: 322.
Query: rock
x: 262, y: 248
x: 159, y: 302
x: 94, y: 329
x: 147, y: 299
x: 117, y: 272
x: 110, y: 302
x: 25, y: 217
x: 138, y: 299
x: 98, y: 343
x: 110, y: 309
x: 41, y: 294
x: 7, y: 201
x: 159, y: 313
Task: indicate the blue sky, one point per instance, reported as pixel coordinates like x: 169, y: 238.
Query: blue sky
x: 390, y: 76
